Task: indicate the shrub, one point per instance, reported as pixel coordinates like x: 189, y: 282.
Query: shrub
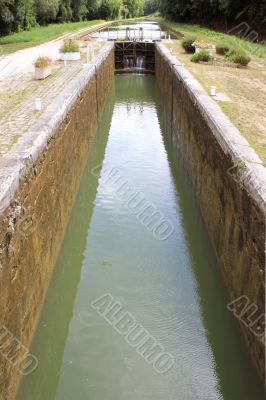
x: 238, y: 56
x: 222, y: 49
x: 203, y: 45
x: 42, y: 62
x: 187, y: 44
x: 69, y: 46
x: 202, y: 56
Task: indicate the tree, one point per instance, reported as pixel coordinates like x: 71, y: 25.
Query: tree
x: 46, y: 10
x: 135, y: 7
x: 79, y: 10
x: 6, y: 16
x: 124, y: 11
x: 93, y: 9
x: 250, y: 11
x: 176, y: 9
x: 18, y: 15
x: 150, y: 6
x: 64, y: 11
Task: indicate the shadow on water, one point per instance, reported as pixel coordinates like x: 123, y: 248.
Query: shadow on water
x: 49, y: 342
x: 237, y: 377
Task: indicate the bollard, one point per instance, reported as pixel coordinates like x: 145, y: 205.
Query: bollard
x: 213, y: 90
x: 38, y: 104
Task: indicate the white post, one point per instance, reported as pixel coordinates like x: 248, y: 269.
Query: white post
x: 213, y: 90
x: 38, y: 104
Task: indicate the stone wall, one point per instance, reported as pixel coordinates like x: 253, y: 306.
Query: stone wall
x: 230, y: 183
x: 38, y: 185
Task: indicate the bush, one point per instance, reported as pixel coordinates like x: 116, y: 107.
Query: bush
x: 222, y: 49
x: 69, y: 46
x: 202, y: 56
x: 238, y: 56
x: 187, y: 44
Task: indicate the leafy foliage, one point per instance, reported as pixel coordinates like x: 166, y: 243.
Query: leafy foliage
x: 43, y: 62
x: 110, y: 9
x: 222, y: 49
x: 151, y: 6
x: 187, y: 44
x: 18, y: 15
x: 231, y: 12
x: 46, y: 10
x: 69, y: 46
x: 238, y: 56
x: 201, y: 56
x: 135, y: 7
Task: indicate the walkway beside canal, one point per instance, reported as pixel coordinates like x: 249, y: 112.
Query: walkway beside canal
x: 19, y: 90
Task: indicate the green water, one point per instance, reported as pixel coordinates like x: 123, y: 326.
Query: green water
x: 167, y: 279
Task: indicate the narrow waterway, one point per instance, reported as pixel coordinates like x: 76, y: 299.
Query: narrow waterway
x: 136, y: 239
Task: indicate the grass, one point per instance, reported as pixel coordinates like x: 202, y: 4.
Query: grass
x: 246, y: 87
x: 36, y: 36
x: 14, y: 140
x: 253, y: 49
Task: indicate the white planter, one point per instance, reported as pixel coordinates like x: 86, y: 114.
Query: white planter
x: 42, y: 73
x: 207, y: 50
x: 70, y: 56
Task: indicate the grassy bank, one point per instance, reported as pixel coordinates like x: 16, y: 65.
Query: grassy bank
x: 244, y: 87
x: 254, y: 49
x: 21, y: 40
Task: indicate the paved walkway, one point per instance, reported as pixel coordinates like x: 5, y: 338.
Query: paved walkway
x: 19, y: 90
x: 22, y: 60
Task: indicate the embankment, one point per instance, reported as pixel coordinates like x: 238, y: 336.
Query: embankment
x: 229, y: 181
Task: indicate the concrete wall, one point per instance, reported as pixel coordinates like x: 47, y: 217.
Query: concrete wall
x: 232, y: 200
x: 38, y: 184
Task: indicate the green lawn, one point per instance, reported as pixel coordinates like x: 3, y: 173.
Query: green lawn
x: 246, y: 87
x: 254, y: 49
x: 21, y: 40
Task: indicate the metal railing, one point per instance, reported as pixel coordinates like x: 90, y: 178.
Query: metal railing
x: 130, y: 34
